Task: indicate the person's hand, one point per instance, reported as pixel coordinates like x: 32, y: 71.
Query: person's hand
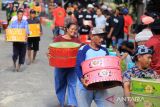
x: 26, y: 37
x: 158, y: 79
x: 113, y: 38
x: 41, y: 33
x: 131, y: 104
x: 84, y: 82
x: 52, y: 26
x: 108, y: 36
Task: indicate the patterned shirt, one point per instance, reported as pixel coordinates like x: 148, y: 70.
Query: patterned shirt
x: 136, y: 72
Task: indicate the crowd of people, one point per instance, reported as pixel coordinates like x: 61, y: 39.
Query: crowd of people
x: 21, y: 16
x: 103, y: 27
x: 111, y: 27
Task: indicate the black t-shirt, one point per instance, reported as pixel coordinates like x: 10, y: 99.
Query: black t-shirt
x: 35, y: 21
x: 80, y: 17
x: 16, y: 4
x: 89, y: 16
x: 84, y: 30
x: 118, y: 23
x: 109, y: 24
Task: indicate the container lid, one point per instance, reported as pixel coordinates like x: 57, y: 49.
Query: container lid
x: 145, y: 80
x: 64, y: 45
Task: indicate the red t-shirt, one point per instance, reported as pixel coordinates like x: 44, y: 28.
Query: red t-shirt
x: 61, y: 39
x: 155, y: 43
x: 127, y: 22
x: 59, y: 14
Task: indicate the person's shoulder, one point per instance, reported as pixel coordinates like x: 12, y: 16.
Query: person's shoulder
x: 37, y: 20
x: 104, y: 49
x: 57, y: 39
x: 24, y: 21
x: 84, y: 47
x: 131, y: 70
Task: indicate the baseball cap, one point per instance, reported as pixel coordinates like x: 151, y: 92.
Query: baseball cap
x: 125, y: 11
x: 144, y: 35
x: 141, y: 50
x: 104, y: 7
x: 90, y: 6
x: 98, y: 31
x: 146, y: 19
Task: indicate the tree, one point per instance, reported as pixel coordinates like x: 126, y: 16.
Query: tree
x: 153, y: 6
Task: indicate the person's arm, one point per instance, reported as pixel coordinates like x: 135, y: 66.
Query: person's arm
x: 110, y: 32
x: 54, y: 18
x: 27, y: 30
x: 111, y: 23
x: 126, y: 87
x: 130, y: 26
x: 124, y: 56
x: 80, y: 59
x: 41, y: 31
x: 53, y: 24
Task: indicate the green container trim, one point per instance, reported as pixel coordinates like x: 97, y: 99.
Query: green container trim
x: 64, y: 45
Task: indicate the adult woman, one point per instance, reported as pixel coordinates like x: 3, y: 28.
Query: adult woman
x: 65, y: 78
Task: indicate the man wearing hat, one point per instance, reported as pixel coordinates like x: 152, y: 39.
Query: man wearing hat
x: 33, y: 42
x: 142, y: 58
x: 89, y: 15
x: 94, y: 49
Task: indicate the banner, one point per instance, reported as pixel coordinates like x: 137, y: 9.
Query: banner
x: 34, y: 30
x: 16, y: 35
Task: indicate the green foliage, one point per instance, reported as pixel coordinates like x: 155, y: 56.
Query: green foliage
x: 123, y: 66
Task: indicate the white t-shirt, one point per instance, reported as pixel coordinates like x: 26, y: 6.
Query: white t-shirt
x: 100, y: 21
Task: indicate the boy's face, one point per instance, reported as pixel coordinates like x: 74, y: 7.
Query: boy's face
x: 33, y: 15
x: 145, y: 60
x: 20, y: 15
x: 99, y: 12
x: 97, y: 39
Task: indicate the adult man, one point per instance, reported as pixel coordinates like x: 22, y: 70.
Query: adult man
x: 58, y: 19
x: 118, y: 32
x: 100, y: 20
x: 127, y: 23
x: 94, y: 49
x: 33, y: 42
x: 89, y: 16
x: 154, y: 42
x: 109, y: 27
x: 19, y: 48
x: 142, y: 58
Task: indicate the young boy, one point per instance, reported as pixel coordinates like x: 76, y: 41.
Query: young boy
x: 94, y: 49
